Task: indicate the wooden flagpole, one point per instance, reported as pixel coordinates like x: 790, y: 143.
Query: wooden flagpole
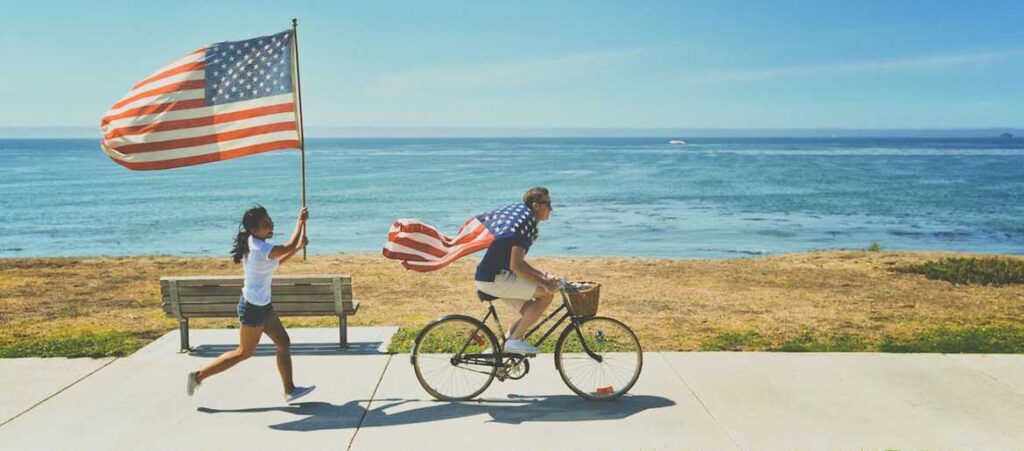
x: 298, y: 112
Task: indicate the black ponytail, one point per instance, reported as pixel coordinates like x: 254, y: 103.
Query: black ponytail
x: 250, y: 220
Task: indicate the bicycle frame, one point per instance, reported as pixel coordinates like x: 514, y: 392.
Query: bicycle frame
x: 566, y: 307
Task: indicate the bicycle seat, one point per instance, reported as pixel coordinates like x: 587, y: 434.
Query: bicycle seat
x: 484, y: 297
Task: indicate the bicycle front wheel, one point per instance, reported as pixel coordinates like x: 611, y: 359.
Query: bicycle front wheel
x: 454, y: 358
x: 616, y: 367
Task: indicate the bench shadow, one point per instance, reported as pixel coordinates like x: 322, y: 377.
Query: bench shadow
x: 268, y: 349
x: 318, y: 416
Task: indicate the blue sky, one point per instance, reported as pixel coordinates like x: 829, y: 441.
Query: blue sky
x: 758, y: 64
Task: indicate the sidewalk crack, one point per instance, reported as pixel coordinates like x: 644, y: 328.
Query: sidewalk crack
x: 993, y: 377
x: 701, y: 401
x: 58, y: 392
x: 369, y: 403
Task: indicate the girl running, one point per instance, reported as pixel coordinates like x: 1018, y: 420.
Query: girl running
x: 259, y: 259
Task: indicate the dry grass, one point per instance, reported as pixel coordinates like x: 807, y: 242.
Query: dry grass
x: 671, y: 304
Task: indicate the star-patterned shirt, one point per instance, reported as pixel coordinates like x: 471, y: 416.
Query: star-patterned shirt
x: 513, y: 225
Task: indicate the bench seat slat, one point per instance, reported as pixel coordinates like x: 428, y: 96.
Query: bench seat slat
x: 226, y: 310
x: 322, y: 308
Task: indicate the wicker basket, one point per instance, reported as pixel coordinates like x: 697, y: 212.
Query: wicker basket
x: 584, y: 302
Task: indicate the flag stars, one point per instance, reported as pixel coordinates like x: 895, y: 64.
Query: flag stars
x: 251, y: 69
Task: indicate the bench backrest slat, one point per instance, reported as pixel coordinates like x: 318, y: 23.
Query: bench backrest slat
x: 232, y: 280
x: 215, y: 296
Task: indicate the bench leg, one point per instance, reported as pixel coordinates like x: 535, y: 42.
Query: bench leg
x: 342, y: 331
x: 183, y: 331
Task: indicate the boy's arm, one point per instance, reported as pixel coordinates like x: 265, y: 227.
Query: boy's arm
x: 522, y: 269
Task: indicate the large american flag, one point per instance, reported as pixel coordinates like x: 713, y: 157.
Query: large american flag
x: 223, y: 101
x: 421, y: 247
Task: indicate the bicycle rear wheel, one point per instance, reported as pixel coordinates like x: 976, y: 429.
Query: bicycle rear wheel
x: 616, y: 370
x: 455, y: 358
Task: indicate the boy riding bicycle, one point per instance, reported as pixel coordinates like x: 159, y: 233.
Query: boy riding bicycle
x: 504, y: 272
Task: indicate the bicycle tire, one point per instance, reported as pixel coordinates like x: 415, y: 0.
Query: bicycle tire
x: 631, y: 345
x: 432, y: 342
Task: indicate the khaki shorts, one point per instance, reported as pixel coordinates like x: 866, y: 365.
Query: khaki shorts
x: 515, y: 292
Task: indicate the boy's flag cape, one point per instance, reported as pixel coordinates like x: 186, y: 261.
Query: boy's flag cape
x: 421, y: 247
x: 223, y: 101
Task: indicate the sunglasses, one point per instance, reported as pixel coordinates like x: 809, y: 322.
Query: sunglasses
x: 548, y: 203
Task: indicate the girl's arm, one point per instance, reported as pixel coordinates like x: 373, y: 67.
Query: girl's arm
x: 294, y: 243
x: 302, y: 244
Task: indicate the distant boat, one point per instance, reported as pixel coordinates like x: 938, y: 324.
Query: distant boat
x: 1006, y: 135
x: 677, y: 142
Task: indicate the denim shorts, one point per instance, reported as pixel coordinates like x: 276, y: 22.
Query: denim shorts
x: 253, y: 315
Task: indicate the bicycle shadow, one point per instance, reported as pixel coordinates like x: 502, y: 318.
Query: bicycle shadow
x: 318, y: 416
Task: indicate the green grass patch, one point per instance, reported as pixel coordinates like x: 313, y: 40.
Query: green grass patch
x: 401, y: 342
x: 83, y: 344
x: 874, y: 247
x: 960, y: 270
x: 959, y: 340
x: 734, y: 341
x: 806, y: 341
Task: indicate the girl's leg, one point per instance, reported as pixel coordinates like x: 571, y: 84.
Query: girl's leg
x: 275, y: 330
x: 249, y: 338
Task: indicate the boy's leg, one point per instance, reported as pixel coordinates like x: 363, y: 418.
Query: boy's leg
x: 531, y: 312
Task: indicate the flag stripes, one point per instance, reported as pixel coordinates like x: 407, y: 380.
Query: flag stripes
x: 219, y: 102
x: 423, y: 248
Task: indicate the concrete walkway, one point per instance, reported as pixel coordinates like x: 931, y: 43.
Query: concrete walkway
x: 366, y: 399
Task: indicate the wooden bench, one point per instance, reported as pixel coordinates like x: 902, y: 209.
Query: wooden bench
x: 187, y: 297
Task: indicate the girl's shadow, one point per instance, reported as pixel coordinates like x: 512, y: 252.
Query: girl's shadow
x: 517, y: 409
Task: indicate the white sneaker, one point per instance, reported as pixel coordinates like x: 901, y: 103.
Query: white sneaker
x: 193, y: 383
x: 520, y: 347
x: 298, y: 393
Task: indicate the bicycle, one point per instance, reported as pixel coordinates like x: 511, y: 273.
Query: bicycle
x: 598, y: 358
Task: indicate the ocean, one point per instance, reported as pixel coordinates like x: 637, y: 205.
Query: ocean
x: 709, y: 198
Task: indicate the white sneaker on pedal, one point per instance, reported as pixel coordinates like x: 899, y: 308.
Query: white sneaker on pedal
x: 520, y: 347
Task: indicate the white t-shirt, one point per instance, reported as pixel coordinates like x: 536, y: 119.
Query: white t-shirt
x: 259, y: 270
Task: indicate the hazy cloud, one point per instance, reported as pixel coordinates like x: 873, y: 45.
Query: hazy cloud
x: 880, y: 65
x: 506, y: 73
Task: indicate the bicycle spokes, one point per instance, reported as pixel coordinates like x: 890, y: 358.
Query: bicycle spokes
x: 455, y: 358
x: 600, y: 361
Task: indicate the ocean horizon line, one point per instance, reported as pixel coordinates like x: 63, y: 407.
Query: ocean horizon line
x: 386, y: 132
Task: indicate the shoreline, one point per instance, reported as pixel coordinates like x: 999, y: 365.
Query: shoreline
x: 476, y: 257
x: 819, y: 300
